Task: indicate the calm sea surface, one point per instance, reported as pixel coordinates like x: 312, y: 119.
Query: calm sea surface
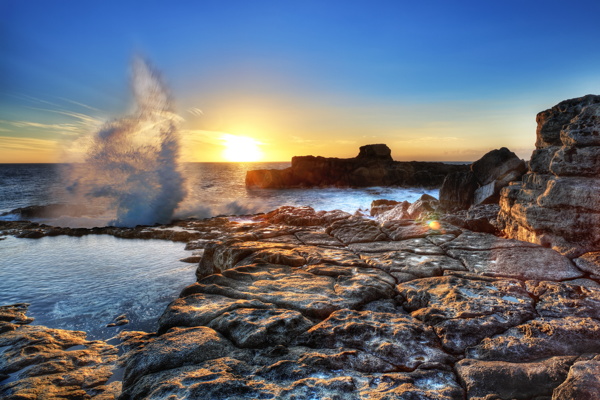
x: 84, y: 283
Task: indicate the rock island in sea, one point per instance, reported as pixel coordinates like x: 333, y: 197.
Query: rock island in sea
x: 430, y: 300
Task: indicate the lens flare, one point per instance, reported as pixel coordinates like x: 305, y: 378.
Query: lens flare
x: 435, y: 225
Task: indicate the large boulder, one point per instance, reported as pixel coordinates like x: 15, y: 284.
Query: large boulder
x: 482, y: 184
x: 556, y: 204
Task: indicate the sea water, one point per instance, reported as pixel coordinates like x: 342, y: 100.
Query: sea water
x: 85, y: 283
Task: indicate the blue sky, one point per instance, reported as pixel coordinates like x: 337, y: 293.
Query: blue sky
x: 434, y: 80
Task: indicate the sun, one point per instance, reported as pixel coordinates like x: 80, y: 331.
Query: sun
x: 241, y: 148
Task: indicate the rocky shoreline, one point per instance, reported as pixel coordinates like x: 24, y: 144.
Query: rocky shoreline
x: 411, y: 302
x: 298, y: 304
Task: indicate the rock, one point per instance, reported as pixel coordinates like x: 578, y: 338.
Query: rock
x: 589, y: 262
x: 405, y: 266
x: 422, y: 207
x: 541, y: 338
x: 480, y: 218
x: 556, y: 202
x: 518, y: 262
x: 356, y: 230
x: 561, y: 300
x: 583, y: 381
x: 317, y: 239
x: 409, y: 229
x: 482, y: 184
x: 257, y: 327
x: 381, y: 206
x: 418, y: 246
x: 399, y: 340
x: 315, y: 294
x: 39, y: 362
x: 399, y: 211
x: 457, y: 191
x: 176, y: 348
x: 462, y: 312
x: 506, y: 380
x: 373, y: 166
x: 302, y: 216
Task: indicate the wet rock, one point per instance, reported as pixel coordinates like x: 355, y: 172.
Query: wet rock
x: 506, y: 380
x: 397, y: 339
x: 464, y: 311
x: 483, y: 241
x: 457, y: 191
x: 540, y: 338
x: 356, y: 230
x: 315, y: 294
x: 583, y: 381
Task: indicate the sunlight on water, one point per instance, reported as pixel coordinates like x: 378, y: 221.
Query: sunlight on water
x: 84, y: 283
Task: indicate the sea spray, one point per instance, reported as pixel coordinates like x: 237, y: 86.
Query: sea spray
x: 132, y: 163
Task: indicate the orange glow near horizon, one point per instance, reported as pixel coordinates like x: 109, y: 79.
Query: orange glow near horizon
x: 241, y: 148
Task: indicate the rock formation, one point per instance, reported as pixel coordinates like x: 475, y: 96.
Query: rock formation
x: 557, y: 203
x: 373, y: 166
x: 483, y: 182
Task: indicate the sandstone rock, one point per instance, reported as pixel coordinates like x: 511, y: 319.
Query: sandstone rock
x: 457, y: 191
x: 506, y: 380
x: 382, y: 205
x: 483, y: 241
x: 315, y: 294
x: 556, y: 203
x: 396, y: 339
x: 200, y: 309
x: 39, y: 362
x: 247, y: 327
x: 356, y: 230
x: 589, y: 262
x: 404, y: 265
x: 379, y: 151
x: 551, y: 122
x: 463, y: 312
x: 409, y: 229
x: 417, y: 246
x: 176, y: 348
x: 560, y: 300
x: 302, y: 216
x: 317, y: 239
x: 541, y: 338
x: 583, y: 381
x: 518, y: 262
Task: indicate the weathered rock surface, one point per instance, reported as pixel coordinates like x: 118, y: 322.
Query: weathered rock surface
x: 483, y: 182
x: 583, y: 381
x: 556, y: 202
x: 42, y: 363
x: 373, y: 166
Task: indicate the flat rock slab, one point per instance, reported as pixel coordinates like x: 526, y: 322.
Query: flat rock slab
x: 417, y: 246
x: 317, y: 239
x: 589, y: 262
x: 483, y: 241
x: 397, y: 339
x: 356, y: 230
x: 409, y: 229
x: 563, y: 300
x: 505, y: 380
x: 315, y: 294
x: 525, y: 263
x: 401, y: 264
x: 541, y: 338
x: 464, y: 311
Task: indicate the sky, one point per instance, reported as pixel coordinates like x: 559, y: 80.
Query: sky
x: 434, y: 80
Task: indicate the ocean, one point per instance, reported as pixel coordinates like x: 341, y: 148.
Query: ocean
x: 85, y: 283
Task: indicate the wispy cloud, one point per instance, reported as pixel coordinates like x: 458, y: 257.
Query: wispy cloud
x: 195, y: 111
x: 26, y: 144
